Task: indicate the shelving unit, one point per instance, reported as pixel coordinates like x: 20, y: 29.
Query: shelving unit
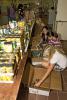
x: 9, y: 91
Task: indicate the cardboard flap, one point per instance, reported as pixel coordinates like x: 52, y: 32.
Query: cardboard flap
x: 36, y: 60
x: 31, y: 73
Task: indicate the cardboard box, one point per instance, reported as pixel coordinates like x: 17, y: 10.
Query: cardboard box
x: 36, y: 75
x: 37, y: 60
x: 33, y: 74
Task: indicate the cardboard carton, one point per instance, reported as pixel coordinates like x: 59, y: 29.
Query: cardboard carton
x: 37, y: 60
x: 34, y: 74
x: 38, y: 73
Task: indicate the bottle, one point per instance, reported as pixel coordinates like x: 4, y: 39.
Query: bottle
x: 14, y: 45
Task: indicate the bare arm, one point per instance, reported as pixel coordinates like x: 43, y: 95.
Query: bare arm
x: 50, y: 67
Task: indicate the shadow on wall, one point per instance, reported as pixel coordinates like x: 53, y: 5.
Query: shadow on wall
x: 3, y: 15
x: 59, y: 35
x: 3, y: 20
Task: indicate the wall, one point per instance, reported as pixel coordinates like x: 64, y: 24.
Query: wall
x: 61, y: 19
x: 61, y: 10
x: 62, y: 29
x: 3, y: 17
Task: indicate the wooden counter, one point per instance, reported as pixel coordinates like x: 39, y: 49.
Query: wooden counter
x: 9, y: 91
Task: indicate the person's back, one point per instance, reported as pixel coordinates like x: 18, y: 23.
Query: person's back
x: 60, y: 61
x: 56, y: 56
x: 12, y: 12
x: 54, y: 40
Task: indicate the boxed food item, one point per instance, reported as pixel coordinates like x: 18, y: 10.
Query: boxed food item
x: 7, y: 47
x: 6, y: 71
x: 6, y: 78
x: 21, y: 24
x: 7, y: 62
x: 7, y: 68
x: 6, y: 56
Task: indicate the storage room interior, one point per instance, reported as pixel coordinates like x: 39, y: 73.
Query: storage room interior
x: 25, y: 47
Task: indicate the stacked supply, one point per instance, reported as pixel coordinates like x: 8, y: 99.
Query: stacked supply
x: 7, y: 64
x: 10, y: 55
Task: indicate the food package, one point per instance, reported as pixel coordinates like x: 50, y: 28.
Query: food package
x: 6, y: 69
x: 21, y: 24
x: 6, y: 78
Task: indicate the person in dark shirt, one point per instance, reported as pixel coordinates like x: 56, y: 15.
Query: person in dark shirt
x: 21, y: 11
x: 44, y: 35
x: 11, y: 12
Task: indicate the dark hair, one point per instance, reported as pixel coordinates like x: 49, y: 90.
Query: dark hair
x: 54, y: 34
x: 20, y: 6
x: 45, y: 27
x: 52, y: 8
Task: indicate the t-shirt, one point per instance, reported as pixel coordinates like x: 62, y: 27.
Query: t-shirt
x: 54, y: 42
x: 59, y: 59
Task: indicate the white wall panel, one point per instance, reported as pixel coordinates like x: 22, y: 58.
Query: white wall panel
x: 62, y: 29
x: 61, y: 10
